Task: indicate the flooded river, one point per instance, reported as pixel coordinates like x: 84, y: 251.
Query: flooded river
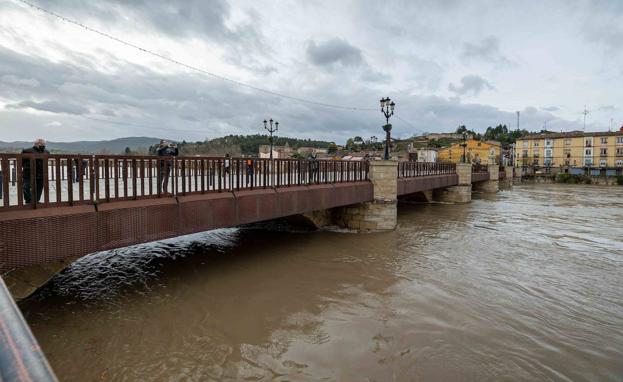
x: 524, y: 285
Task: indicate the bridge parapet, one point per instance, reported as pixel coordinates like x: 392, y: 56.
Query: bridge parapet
x: 72, y: 179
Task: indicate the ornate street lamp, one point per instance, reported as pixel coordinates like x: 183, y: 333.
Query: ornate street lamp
x: 464, y: 145
x: 387, y: 108
x: 271, y: 130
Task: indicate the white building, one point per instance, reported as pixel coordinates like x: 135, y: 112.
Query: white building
x: 424, y: 155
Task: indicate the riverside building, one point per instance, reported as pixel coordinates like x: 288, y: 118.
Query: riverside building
x: 573, y: 152
x: 483, y: 152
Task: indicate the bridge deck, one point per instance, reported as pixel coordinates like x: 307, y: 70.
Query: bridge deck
x: 95, y: 203
x: 35, y: 236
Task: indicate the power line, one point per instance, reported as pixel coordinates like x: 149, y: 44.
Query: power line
x: 188, y: 66
x: 141, y: 126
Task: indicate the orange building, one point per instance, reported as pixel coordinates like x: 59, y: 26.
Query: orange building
x: 484, y: 152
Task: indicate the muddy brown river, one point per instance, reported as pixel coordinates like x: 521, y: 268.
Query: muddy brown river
x: 525, y: 285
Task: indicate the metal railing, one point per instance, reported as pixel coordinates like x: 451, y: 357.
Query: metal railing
x: 478, y: 168
x: 36, y: 181
x: 414, y: 169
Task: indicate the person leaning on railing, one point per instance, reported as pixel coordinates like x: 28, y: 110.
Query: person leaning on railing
x: 38, y: 147
x: 166, y: 149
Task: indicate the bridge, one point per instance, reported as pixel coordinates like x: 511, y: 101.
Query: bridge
x: 90, y: 203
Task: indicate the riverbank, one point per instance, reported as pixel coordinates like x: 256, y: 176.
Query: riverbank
x: 571, y: 179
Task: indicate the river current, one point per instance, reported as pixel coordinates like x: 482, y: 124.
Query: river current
x: 524, y: 285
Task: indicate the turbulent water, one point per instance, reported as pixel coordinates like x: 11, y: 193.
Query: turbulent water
x: 523, y: 285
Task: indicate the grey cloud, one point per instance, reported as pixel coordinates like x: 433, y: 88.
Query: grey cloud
x: 487, y: 50
x: 173, y: 18
x: 17, y: 81
x: 531, y: 110
x: 51, y: 106
x: 334, y: 51
x: 471, y: 84
x: 608, y: 108
x: 190, y: 107
x: 210, y: 20
x: 606, y: 30
x: 551, y: 108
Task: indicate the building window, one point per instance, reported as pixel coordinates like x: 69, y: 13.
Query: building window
x: 525, y: 144
x: 524, y: 154
x: 536, y: 155
x: 620, y: 152
x: 604, y: 140
x: 567, y: 153
x: 567, y: 141
x: 588, y: 143
x: 588, y: 152
x: 619, y: 163
x: 620, y: 140
x: 588, y: 162
x: 602, y: 163
x: 548, y: 153
x: 603, y: 152
x: 536, y: 144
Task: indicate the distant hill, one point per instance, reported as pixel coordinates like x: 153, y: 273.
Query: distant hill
x: 115, y: 146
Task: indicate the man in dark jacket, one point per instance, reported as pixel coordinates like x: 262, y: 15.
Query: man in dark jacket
x: 40, y: 171
x: 313, y: 167
x: 166, y: 150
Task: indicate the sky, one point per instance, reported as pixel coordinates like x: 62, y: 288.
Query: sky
x: 445, y: 63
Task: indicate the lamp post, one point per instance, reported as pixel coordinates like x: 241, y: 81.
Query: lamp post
x: 464, y: 146
x: 271, y: 130
x: 387, y: 108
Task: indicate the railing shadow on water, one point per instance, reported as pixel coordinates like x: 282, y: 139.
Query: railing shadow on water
x: 31, y: 181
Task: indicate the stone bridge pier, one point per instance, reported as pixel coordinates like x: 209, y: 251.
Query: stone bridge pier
x: 462, y: 192
x: 492, y: 185
x: 379, y: 214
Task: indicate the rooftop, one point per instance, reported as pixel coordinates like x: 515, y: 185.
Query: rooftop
x: 571, y: 134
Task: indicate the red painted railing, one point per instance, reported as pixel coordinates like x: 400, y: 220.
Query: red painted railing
x: 70, y: 179
x: 415, y: 169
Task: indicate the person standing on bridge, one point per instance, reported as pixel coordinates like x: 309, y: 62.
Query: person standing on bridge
x: 166, y: 149
x: 249, y: 165
x: 37, y: 148
x: 313, y: 167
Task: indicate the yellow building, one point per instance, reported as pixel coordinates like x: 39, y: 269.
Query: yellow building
x: 476, y: 151
x: 572, y: 149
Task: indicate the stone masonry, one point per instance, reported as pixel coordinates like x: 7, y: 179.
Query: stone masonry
x: 381, y: 213
x: 492, y: 185
x: 461, y: 193
x: 509, y: 175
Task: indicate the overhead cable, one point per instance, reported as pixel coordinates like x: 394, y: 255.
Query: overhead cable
x: 188, y: 66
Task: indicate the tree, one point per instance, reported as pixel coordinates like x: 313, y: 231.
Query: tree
x: 332, y: 149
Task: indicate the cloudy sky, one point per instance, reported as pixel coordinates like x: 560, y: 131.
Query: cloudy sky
x: 444, y: 62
